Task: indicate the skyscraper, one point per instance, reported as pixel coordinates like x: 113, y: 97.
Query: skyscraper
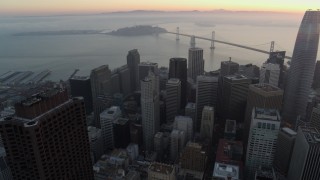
x: 302, y: 68
x: 47, y: 138
x: 133, y: 59
x: 305, y: 157
x: 81, y: 86
x: 101, y: 89
x: 194, y: 157
x: 191, y: 112
x: 195, y: 63
x: 150, y: 110
x: 316, y: 76
x: 207, y: 95
x: 107, y: 117
x: 228, y: 68
x: 173, y: 88
x: 178, y: 69
x: 207, y: 121
x: 145, y: 67
x: 262, y: 96
x: 270, y: 74
x: 158, y: 144
x: 177, y: 142
x: 262, y: 142
x: 285, y: 143
x: 235, y: 91
x: 184, y: 123
x: 315, y: 117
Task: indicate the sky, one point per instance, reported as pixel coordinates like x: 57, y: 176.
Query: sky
x: 34, y: 7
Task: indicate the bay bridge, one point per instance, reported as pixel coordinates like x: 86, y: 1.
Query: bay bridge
x: 213, y: 40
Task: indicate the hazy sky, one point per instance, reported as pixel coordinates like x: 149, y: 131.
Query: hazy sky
x: 20, y: 7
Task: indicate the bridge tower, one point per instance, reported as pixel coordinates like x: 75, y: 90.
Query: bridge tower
x: 193, y: 42
x: 177, y: 35
x: 212, y: 40
x: 272, y: 46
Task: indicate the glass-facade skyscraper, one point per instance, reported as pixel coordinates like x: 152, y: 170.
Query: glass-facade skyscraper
x: 302, y: 67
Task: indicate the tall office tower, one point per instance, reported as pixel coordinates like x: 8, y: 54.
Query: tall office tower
x: 178, y: 69
x: 81, y: 86
x: 101, y: 87
x: 150, y: 110
x: 195, y: 63
x: 316, y: 76
x: 191, y: 112
x: 194, y: 157
x: 158, y: 145
x: 136, y: 134
x: 47, y: 138
x: 177, y: 142
x: 145, y: 67
x: 270, y: 74
x: 262, y: 96
x: 173, y: 99
x: 278, y: 58
x: 262, y: 141
x: 163, y: 77
x: 285, y: 143
x: 115, y: 83
x: 96, y: 143
x: 133, y: 59
x: 315, y: 117
x: 121, y: 132
x: 5, y: 171
x: 184, y: 123
x: 207, y: 95
x: 159, y: 171
x: 228, y: 68
x: 107, y: 117
x: 305, y: 157
x: 235, y: 91
x: 207, y: 121
x: 122, y: 79
x: 301, y: 71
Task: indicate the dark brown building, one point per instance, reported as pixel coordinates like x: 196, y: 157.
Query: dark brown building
x: 47, y: 138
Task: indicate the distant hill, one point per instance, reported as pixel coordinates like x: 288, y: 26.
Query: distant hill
x: 138, y: 31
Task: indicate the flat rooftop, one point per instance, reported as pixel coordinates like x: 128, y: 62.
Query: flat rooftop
x: 289, y: 131
x: 267, y: 114
x: 311, y: 134
x: 266, y: 87
x: 173, y: 81
x: 236, y: 77
x: 161, y: 168
x: 80, y: 78
x: 226, y: 170
x: 148, y: 64
x: 191, y: 105
x: 229, y: 63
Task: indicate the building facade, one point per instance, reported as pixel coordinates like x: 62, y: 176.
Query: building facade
x: 206, y: 95
x: 305, y: 156
x: 133, y: 59
x: 81, y: 86
x: 207, y: 122
x: 173, y: 98
x: 270, y: 74
x: 178, y: 69
x: 195, y: 63
x: 47, y: 138
x: 150, y: 110
x: 301, y: 70
x: 262, y: 141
